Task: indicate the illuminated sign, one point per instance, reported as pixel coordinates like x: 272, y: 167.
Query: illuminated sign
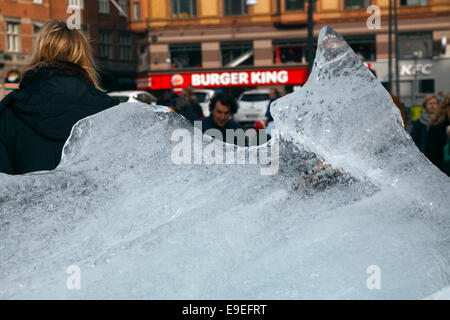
x: 217, y: 79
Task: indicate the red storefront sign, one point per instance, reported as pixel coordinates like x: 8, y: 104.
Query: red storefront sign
x: 217, y: 79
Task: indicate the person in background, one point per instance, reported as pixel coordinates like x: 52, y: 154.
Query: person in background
x: 222, y: 107
x: 186, y: 105
x: 274, y: 94
x: 396, y: 101
x: 447, y: 153
x: 59, y: 88
x: 164, y: 99
x: 399, y: 105
x: 437, y: 134
x: 419, y: 129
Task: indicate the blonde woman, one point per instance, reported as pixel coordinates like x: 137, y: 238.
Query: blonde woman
x: 59, y: 88
x: 437, y: 133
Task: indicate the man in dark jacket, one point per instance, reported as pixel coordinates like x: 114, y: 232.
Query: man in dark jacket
x: 222, y: 107
x: 37, y: 118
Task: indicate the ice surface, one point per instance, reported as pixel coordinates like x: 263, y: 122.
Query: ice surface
x: 139, y: 226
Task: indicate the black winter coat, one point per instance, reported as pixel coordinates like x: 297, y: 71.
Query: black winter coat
x: 37, y: 118
x: 419, y: 134
x: 436, y: 141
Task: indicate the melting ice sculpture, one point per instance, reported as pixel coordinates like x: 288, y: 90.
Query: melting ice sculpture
x: 138, y: 226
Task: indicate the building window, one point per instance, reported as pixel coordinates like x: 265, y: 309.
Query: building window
x: 103, y: 6
x: 123, y: 6
x: 185, y: 56
x: 13, y: 36
x: 413, y: 2
x: 125, y: 47
x: 184, y: 8
x: 356, y: 4
x: 237, y: 53
x: 363, y: 46
x: 292, y: 5
x: 36, y: 28
x: 106, y: 44
x: 289, y: 51
x: 76, y: 3
x: 137, y: 11
x: 235, y: 7
x: 420, y: 42
x: 426, y: 86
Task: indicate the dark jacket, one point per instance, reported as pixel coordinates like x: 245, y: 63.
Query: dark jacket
x: 37, y: 118
x: 186, y: 108
x: 419, y: 134
x: 436, y: 141
x: 208, y: 123
x: 268, y: 114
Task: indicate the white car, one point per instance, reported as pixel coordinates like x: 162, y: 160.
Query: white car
x: 204, y: 96
x: 252, y: 106
x: 134, y: 96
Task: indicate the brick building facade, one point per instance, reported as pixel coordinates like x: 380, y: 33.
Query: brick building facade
x: 273, y: 33
x: 107, y: 30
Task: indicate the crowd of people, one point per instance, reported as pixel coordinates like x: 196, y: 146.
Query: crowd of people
x: 61, y: 87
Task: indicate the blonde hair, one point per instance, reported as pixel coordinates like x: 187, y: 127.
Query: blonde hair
x: 56, y: 41
x: 441, y: 113
x: 425, y: 101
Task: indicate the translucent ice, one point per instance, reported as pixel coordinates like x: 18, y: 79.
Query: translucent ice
x: 374, y: 225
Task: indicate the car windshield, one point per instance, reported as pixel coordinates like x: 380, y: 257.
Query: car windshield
x: 255, y: 97
x: 201, y: 96
x: 122, y: 98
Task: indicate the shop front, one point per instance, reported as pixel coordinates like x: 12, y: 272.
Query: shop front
x: 417, y: 78
x: 227, y: 80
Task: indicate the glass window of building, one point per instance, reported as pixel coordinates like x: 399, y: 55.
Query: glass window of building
x: 426, y: 86
x: 184, y: 8
x: 420, y: 42
x: 13, y: 40
x: 76, y: 3
x: 237, y: 53
x: 413, y: 2
x: 137, y: 11
x: 356, y: 4
x: 185, y: 55
x: 123, y: 5
x: 125, y: 47
x: 291, y: 5
x: 106, y: 44
x: 235, y: 7
x: 363, y: 46
x: 289, y: 51
x: 103, y: 6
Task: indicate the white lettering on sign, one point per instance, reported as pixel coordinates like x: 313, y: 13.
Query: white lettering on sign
x: 195, y: 80
x: 238, y: 78
x: 409, y: 70
x: 283, y: 76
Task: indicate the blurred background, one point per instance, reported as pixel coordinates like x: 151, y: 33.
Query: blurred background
x: 157, y: 46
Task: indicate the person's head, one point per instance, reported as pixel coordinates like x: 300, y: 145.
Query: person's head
x: 274, y: 93
x: 430, y: 104
x: 56, y: 42
x: 442, y: 112
x: 222, y: 107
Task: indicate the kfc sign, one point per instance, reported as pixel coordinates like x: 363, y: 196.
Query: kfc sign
x: 294, y: 76
x: 411, y: 69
